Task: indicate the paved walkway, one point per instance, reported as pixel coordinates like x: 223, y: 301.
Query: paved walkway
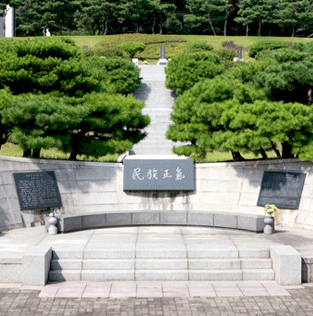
x: 24, y: 301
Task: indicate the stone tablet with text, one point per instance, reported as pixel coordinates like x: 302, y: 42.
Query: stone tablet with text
x: 37, y: 190
x: 158, y: 175
x: 283, y: 189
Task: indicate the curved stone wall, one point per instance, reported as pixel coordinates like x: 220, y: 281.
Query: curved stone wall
x: 90, y: 187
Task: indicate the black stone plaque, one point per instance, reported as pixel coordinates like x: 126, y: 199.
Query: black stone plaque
x: 283, y: 189
x: 239, y: 52
x: 158, y: 175
x: 86, y: 48
x: 37, y: 190
x: 162, y: 52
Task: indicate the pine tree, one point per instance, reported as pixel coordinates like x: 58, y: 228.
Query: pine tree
x: 255, y: 11
x: 207, y: 11
x: 184, y: 71
x: 294, y: 14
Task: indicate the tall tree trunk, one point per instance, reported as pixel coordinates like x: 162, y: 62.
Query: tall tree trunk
x: 263, y: 153
x: 225, y: 23
x: 293, y: 31
x: 237, y: 156
x: 75, y: 146
x: 211, y: 24
x: 73, y: 155
x: 247, y: 30
x: 275, y: 149
x: 161, y: 23
x: 106, y: 22
x: 260, y: 27
x: 287, y: 150
x: 153, y: 23
x: 27, y: 153
x: 36, y: 153
x: 310, y: 97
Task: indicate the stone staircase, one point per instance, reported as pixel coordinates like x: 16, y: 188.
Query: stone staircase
x: 157, y: 264
x: 158, y: 105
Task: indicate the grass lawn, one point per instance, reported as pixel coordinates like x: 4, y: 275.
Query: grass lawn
x: 152, y: 51
x: 13, y: 150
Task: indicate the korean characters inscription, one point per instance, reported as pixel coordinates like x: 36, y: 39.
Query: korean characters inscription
x: 176, y: 174
x: 284, y: 189
x: 37, y: 190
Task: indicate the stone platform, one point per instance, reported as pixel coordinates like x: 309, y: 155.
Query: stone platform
x: 154, y: 253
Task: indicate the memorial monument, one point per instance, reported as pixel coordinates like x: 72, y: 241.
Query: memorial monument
x: 7, y: 28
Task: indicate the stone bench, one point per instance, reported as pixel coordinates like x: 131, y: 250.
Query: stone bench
x: 250, y: 222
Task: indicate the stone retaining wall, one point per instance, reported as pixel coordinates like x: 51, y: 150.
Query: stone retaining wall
x: 89, y: 187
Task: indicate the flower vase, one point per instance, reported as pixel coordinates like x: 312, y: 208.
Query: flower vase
x: 53, y: 230
x: 268, y: 227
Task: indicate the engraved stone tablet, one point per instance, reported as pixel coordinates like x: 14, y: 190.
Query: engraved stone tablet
x: 283, y: 189
x: 162, y: 52
x: 239, y: 52
x: 37, y: 190
x: 158, y: 175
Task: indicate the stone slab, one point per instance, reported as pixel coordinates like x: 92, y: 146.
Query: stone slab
x: 287, y: 265
x: 36, y: 265
x: 161, y: 275
x: 200, y: 218
x: 108, y: 275
x: 94, y: 221
x: 118, y: 219
x: 173, y: 218
x: 146, y: 218
x: 11, y: 272
x: 215, y: 275
x: 251, y: 223
x: 258, y: 274
x: 70, y: 223
x: 226, y: 220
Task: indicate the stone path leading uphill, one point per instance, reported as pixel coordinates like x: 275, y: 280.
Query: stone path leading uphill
x: 158, y: 105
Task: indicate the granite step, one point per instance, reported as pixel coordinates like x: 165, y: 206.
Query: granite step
x: 163, y: 275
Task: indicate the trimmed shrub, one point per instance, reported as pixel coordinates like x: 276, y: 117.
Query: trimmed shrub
x: 184, y: 71
x: 132, y: 48
x: 265, y: 45
x: 225, y: 54
x: 199, y: 47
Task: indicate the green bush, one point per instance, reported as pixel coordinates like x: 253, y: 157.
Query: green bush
x: 262, y: 54
x: 117, y: 73
x: 199, y: 47
x: 132, y: 48
x: 184, y: 71
x: 107, y: 52
x: 265, y: 45
x: 225, y: 54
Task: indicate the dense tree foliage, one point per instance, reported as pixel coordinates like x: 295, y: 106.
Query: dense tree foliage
x: 118, y: 74
x: 94, y: 125
x: 132, y: 48
x: 52, y: 96
x: 256, y: 107
x: 185, y: 70
x: 44, y: 66
x: 213, y: 17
